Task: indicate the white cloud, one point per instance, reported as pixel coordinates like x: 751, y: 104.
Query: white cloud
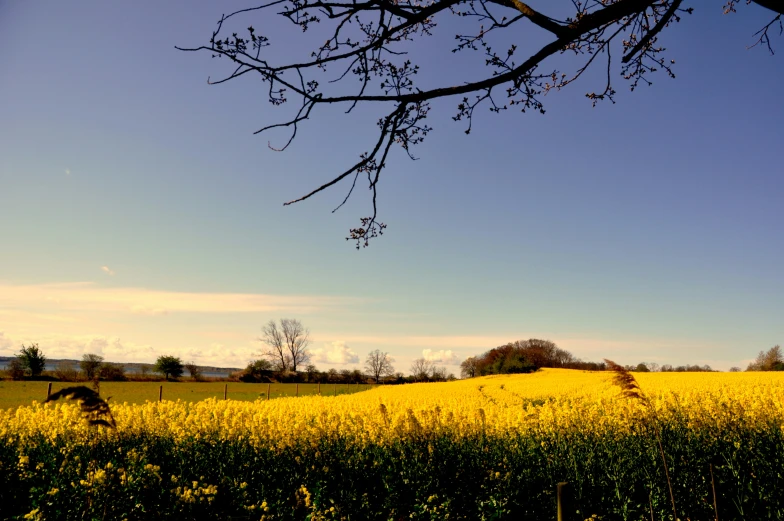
x: 5, y: 342
x: 444, y: 356
x: 336, y: 352
x: 97, y: 345
x: 111, y: 348
x: 106, y: 270
x: 67, y: 171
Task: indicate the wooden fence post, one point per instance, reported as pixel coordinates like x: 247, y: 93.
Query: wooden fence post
x: 268, y: 390
x: 713, y: 488
x: 49, y: 390
x: 566, y: 509
x: 160, y: 393
x: 225, y: 391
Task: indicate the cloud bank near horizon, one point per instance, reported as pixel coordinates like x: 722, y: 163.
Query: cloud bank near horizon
x: 89, y: 296
x: 130, y: 324
x: 336, y: 352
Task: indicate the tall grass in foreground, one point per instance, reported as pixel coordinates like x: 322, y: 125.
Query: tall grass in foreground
x: 490, y: 448
x: 624, y: 379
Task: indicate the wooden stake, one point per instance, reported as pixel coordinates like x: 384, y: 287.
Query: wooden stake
x: 49, y: 390
x: 713, y: 487
x: 268, y: 391
x: 565, y: 506
x: 225, y: 391
x: 160, y: 393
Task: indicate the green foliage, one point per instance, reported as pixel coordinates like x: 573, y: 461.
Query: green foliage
x: 65, y: 372
x: 424, y: 477
x: 111, y: 372
x: 169, y: 366
x: 32, y: 359
x: 257, y: 371
x: 15, y: 369
x: 14, y: 394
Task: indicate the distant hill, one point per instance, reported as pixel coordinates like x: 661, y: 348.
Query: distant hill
x: 130, y: 367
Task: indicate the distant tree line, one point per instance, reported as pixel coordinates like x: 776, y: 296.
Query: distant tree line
x: 521, y: 356
x: 526, y: 356
x: 378, y: 369
x: 31, y: 362
x: 262, y: 371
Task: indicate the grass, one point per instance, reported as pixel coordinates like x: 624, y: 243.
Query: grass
x: 13, y: 394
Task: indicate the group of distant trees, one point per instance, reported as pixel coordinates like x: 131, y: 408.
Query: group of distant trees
x: 31, y: 361
x: 523, y: 356
x: 423, y: 370
x: 378, y: 369
x: 770, y: 360
x: 262, y: 371
x: 652, y: 367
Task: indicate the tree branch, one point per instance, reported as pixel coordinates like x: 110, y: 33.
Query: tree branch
x: 368, y: 40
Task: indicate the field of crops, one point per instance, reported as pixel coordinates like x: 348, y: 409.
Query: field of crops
x: 485, y: 448
x: 14, y: 394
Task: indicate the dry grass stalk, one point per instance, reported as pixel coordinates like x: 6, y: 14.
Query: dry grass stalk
x: 624, y: 379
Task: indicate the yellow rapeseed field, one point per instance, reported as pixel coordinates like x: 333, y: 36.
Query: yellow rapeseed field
x: 548, y: 401
x: 488, y: 448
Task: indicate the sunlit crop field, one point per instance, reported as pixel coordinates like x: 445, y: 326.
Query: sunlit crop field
x: 485, y: 448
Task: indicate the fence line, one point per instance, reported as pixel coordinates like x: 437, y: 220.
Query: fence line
x: 348, y: 390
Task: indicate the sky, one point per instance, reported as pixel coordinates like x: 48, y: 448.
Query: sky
x: 141, y: 216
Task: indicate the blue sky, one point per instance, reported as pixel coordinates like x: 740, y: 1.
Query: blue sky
x: 646, y: 230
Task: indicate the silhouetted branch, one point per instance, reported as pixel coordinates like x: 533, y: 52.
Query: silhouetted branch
x: 370, y: 42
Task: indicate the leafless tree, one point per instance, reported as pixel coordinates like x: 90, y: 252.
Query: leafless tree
x: 372, y: 43
x: 379, y: 364
x: 421, y: 369
x: 469, y: 367
x: 297, y: 341
x: 287, y: 344
x: 275, y: 351
x: 770, y: 360
x: 193, y: 370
